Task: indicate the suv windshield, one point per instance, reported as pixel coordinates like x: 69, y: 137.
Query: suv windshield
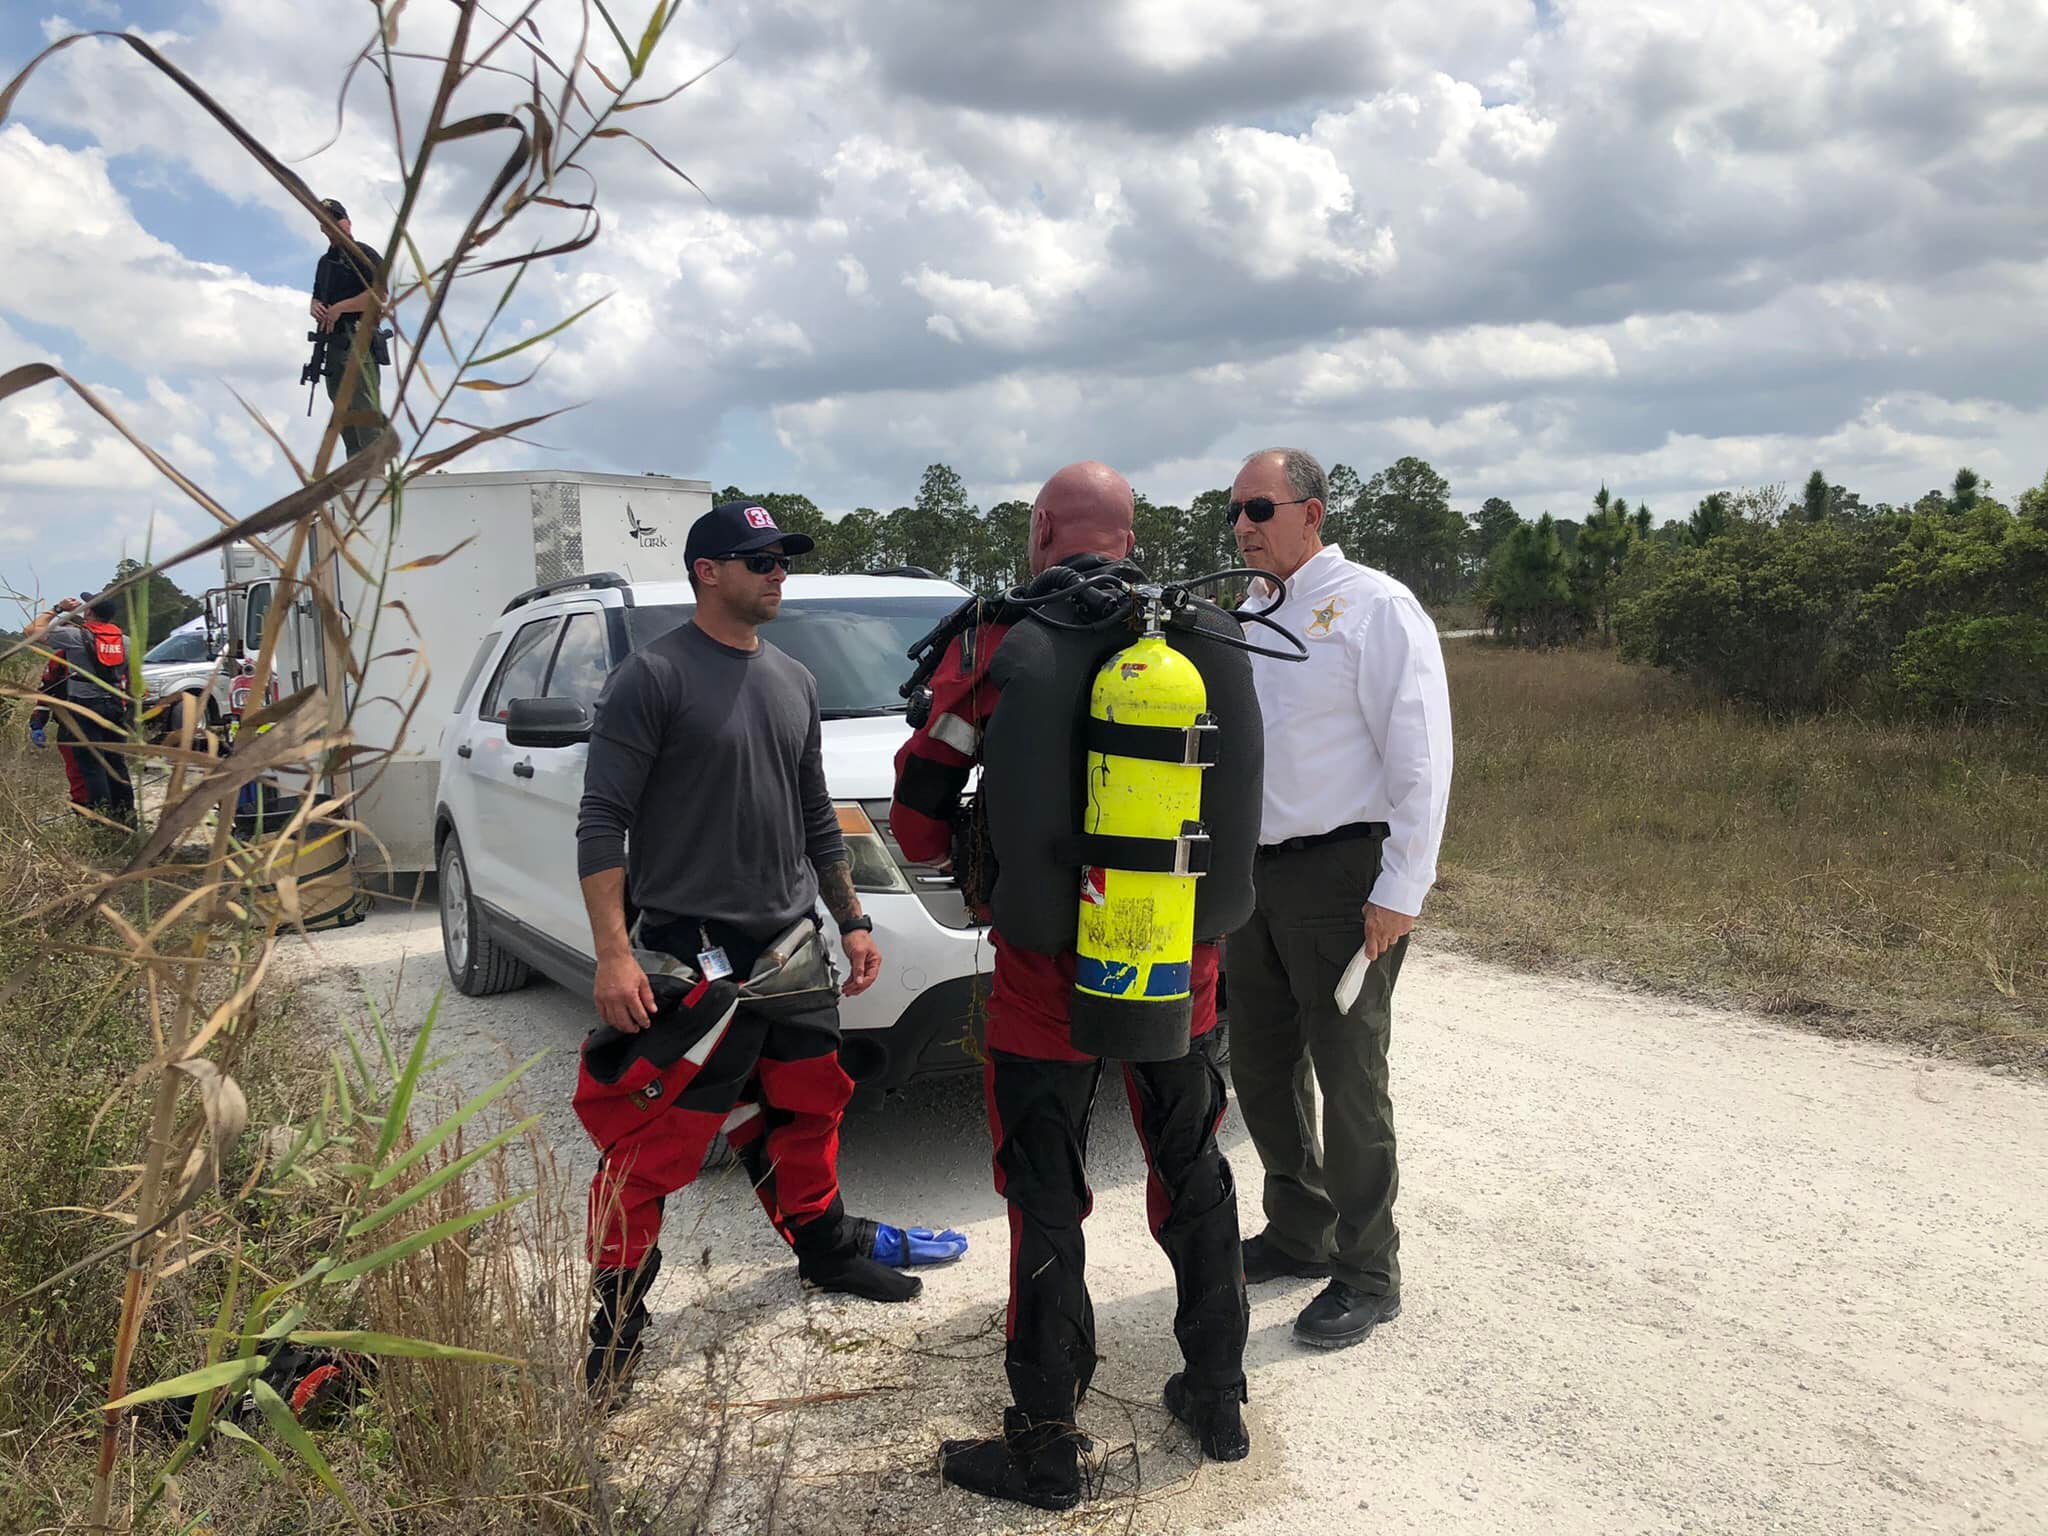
x: 186, y: 647
x: 853, y: 645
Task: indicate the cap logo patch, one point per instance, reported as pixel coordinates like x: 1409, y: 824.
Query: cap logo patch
x: 758, y: 517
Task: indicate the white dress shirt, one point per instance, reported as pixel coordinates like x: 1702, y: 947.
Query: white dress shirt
x: 1361, y: 731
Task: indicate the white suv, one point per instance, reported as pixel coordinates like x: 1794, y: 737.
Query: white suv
x: 184, y: 661
x: 512, y: 773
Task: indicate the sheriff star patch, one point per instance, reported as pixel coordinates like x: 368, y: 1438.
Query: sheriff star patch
x: 1322, y: 618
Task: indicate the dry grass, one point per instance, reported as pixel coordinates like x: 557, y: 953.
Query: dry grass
x: 1876, y: 880
x: 75, y: 1029
x: 439, y: 1448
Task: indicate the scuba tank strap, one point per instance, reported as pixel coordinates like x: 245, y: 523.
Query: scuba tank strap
x: 1185, y: 746
x: 1185, y: 855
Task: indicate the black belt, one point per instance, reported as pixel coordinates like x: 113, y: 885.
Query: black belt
x: 1351, y: 832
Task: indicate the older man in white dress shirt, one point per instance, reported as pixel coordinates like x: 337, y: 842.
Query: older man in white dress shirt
x: 1358, y: 777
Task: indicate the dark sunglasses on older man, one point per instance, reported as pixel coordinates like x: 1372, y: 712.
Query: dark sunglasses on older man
x: 1260, y: 509
x: 763, y: 563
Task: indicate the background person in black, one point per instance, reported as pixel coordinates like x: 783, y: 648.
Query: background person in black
x: 341, y: 297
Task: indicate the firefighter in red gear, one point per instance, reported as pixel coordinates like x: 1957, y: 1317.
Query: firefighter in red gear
x: 81, y: 634
x: 52, y: 680
x: 1040, y: 1088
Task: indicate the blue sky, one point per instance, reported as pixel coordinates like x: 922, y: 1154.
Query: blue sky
x: 1666, y: 247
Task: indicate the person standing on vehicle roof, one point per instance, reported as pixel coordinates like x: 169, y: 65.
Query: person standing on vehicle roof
x: 1007, y: 695
x: 705, y: 804
x: 1358, y: 780
x: 81, y: 633
x: 342, y: 295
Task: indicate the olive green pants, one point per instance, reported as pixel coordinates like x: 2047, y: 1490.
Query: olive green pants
x: 1330, y: 1187
x: 356, y: 438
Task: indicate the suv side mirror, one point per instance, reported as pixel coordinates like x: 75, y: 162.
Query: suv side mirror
x: 546, y: 723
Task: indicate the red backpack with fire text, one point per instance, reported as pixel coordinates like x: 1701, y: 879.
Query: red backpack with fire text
x: 110, y: 666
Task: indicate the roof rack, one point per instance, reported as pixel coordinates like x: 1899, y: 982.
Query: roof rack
x: 916, y: 571
x: 595, y: 580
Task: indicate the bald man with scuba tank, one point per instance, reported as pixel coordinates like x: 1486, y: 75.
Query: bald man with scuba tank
x: 1010, y: 693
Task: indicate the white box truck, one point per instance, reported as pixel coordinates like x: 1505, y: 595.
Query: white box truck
x: 508, y: 532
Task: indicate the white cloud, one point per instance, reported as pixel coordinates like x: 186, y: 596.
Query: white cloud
x: 1639, y: 240
x: 71, y: 249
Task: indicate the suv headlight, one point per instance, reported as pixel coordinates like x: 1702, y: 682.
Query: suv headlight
x: 873, y: 869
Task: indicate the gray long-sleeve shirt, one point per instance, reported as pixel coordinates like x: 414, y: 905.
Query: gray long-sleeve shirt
x: 711, y: 758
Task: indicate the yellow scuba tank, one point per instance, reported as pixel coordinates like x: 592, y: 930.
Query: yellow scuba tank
x: 1149, y: 737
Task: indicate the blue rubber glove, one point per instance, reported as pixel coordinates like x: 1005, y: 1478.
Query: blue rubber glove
x: 39, y: 737
x: 914, y: 1247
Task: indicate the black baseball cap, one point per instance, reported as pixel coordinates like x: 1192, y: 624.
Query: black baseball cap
x: 740, y: 528
x: 333, y: 206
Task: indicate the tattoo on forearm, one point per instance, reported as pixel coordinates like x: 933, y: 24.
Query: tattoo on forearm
x: 835, y: 884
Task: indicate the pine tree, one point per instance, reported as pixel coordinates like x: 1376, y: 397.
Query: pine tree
x: 1597, y: 557
x: 1526, y: 593
x: 1710, y: 519
x: 1815, y: 501
x: 1407, y: 527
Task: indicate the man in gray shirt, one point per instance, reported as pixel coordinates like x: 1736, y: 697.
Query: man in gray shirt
x: 706, y: 749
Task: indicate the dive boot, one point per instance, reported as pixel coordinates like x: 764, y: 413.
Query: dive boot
x: 615, y: 1330
x: 1212, y: 1418
x: 1031, y: 1463
x: 829, y: 1256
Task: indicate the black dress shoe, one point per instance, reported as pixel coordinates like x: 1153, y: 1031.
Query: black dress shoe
x: 1343, y: 1315
x: 1264, y: 1260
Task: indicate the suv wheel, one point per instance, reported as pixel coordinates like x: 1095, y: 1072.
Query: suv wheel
x: 476, y: 964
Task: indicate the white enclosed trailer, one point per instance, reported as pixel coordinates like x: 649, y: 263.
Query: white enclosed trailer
x: 490, y: 537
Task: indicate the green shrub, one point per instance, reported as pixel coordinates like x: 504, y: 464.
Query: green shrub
x: 1773, y: 614
x: 1976, y: 666
x: 1964, y: 608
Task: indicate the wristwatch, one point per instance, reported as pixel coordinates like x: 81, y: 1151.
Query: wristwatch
x: 861, y: 924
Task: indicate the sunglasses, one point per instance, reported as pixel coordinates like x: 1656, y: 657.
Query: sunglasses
x: 762, y: 564
x: 1260, y: 509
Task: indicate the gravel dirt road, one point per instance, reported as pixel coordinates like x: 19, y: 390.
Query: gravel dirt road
x: 1667, y: 1269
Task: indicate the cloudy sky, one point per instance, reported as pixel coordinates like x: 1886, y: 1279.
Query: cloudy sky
x: 1667, y: 245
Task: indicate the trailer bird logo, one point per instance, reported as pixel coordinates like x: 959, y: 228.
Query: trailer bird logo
x: 644, y: 534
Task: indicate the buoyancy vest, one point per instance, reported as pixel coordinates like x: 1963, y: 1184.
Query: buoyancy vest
x: 1034, y: 770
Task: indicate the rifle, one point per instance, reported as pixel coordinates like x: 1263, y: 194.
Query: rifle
x: 316, y: 365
